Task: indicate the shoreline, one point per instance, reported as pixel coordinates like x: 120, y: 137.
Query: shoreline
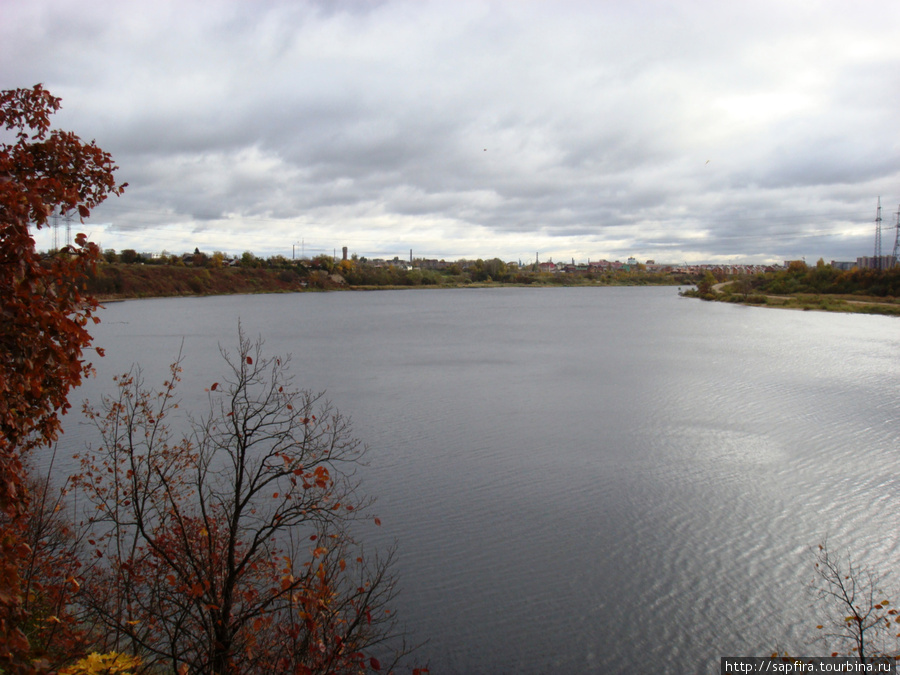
x: 806, y: 302
x: 107, y: 299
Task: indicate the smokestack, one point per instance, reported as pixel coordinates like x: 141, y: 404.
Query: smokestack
x: 344, y: 251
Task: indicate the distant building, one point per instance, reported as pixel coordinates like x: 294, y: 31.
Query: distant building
x: 431, y: 264
x: 883, y: 262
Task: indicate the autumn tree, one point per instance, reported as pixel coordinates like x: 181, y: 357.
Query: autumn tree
x: 49, y: 574
x: 44, y: 314
x: 230, y: 549
x: 217, y: 260
x: 705, y: 285
x: 858, y: 620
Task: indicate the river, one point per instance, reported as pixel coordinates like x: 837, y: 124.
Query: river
x: 581, y: 480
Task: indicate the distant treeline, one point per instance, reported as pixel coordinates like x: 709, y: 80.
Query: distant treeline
x: 131, y: 275
x: 803, y: 287
x: 825, y: 279
x: 799, y: 278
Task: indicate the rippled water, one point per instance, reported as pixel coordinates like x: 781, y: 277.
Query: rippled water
x: 583, y: 480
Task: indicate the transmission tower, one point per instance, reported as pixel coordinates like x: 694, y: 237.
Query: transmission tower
x: 67, y: 217
x: 878, y: 236
x: 54, y: 221
x: 895, y: 260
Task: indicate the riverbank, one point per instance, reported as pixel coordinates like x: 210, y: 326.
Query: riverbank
x: 112, y: 282
x: 844, y: 303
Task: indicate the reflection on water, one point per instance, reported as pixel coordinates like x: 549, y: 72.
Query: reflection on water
x: 582, y: 480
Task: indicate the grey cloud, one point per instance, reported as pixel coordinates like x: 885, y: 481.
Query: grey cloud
x: 704, y: 130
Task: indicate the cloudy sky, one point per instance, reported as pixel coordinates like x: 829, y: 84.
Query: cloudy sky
x: 701, y: 131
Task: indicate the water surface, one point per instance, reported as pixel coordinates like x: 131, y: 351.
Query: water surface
x: 582, y: 479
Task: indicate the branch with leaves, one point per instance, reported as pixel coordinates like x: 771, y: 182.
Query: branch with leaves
x: 44, y: 314
x: 860, y: 621
x: 229, y: 549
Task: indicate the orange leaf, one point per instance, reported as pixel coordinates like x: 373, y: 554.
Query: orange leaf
x: 378, y: 521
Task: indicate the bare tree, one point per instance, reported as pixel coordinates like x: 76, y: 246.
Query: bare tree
x: 230, y: 549
x: 860, y: 621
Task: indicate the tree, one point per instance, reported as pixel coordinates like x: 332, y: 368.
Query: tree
x: 49, y: 574
x: 229, y: 550
x: 860, y: 621
x: 43, y: 313
x: 496, y: 269
x: 705, y: 285
x: 323, y: 262
x: 250, y: 260
x: 129, y: 256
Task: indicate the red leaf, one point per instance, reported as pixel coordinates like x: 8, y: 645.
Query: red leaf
x: 214, y: 386
x: 378, y: 521
x: 249, y: 361
x: 374, y: 663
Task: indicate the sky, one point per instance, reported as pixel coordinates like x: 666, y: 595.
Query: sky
x: 706, y: 131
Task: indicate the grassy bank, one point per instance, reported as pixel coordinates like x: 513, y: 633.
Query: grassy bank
x: 817, y: 289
